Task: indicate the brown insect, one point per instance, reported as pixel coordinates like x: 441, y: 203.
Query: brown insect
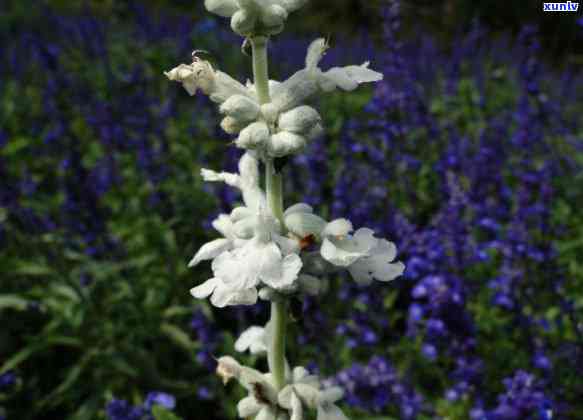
x: 307, y: 241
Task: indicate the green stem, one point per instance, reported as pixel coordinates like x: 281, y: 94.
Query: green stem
x: 276, y: 355
x: 273, y: 181
x: 260, y: 74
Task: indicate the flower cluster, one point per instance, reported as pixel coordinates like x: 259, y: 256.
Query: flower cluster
x: 303, y: 391
x: 260, y: 256
x: 282, y: 125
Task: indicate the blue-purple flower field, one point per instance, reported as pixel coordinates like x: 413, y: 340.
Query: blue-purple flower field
x: 468, y: 156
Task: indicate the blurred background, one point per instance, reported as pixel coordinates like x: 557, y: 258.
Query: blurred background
x: 468, y: 156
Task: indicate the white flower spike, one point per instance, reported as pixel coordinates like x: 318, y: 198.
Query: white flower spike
x: 265, y: 251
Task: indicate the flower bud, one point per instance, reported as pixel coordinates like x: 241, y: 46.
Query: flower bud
x: 273, y: 17
x: 224, y: 8
x: 243, y: 22
x: 228, y: 368
x: 269, y: 112
x: 198, y: 75
x: 253, y: 135
x: 299, y: 120
x: 285, y: 143
x: 232, y: 125
x: 240, y: 107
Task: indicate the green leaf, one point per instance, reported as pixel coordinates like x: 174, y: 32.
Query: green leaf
x: 13, y: 302
x: 178, y: 336
x: 161, y: 413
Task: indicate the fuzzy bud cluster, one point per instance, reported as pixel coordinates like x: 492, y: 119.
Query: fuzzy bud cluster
x: 255, y: 17
x: 284, y: 125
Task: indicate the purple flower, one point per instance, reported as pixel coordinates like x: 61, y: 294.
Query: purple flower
x: 7, y: 381
x: 160, y: 398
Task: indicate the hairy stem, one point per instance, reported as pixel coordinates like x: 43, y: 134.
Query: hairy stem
x: 260, y: 75
x: 273, y: 181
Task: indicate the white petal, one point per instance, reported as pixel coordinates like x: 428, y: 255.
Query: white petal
x: 315, y: 53
x: 348, y: 78
x: 330, y: 412
x: 240, y: 213
x: 223, y: 225
x: 338, y: 227
x: 228, y: 178
x: 226, y: 296
x: 248, y: 407
x: 337, y: 77
x: 266, y: 413
x: 205, y: 289
x: 298, y: 208
x: 346, y: 251
x: 249, y: 169
x: 282, y: 274
x: 249, y: 337
x: 294, y: 91
x: 224, y: 8
x: 225, y: 87
x: 378, y: 265
x: 287, y: 245
x: 308, y: 393
x: 210, y: 250
x: 305, y: 224
x: 296, y: 408
x: 330, y: 395
x: 284, y: 396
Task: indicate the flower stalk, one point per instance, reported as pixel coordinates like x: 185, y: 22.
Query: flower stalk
x: 267, y: 252
x: 273, y: 181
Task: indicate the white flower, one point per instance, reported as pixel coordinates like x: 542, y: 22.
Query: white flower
x: 255, y: 339
x: 365, y: 256
x: 304, y: 391
x: 247, y: 181
x: 201, y: 75
x: 212, y: 249
x: 310, y: 80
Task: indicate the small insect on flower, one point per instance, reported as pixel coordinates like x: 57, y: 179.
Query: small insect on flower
x: 307, y: 241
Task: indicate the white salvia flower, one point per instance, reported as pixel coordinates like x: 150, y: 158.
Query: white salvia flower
x: 365, y: 256
x: 212, y: 249
x: 247, y: 181
x: 305, y: 391
x: 201, y: 75
x: 310, y: 80
x: 343, y: 251
x: 255, y: 339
